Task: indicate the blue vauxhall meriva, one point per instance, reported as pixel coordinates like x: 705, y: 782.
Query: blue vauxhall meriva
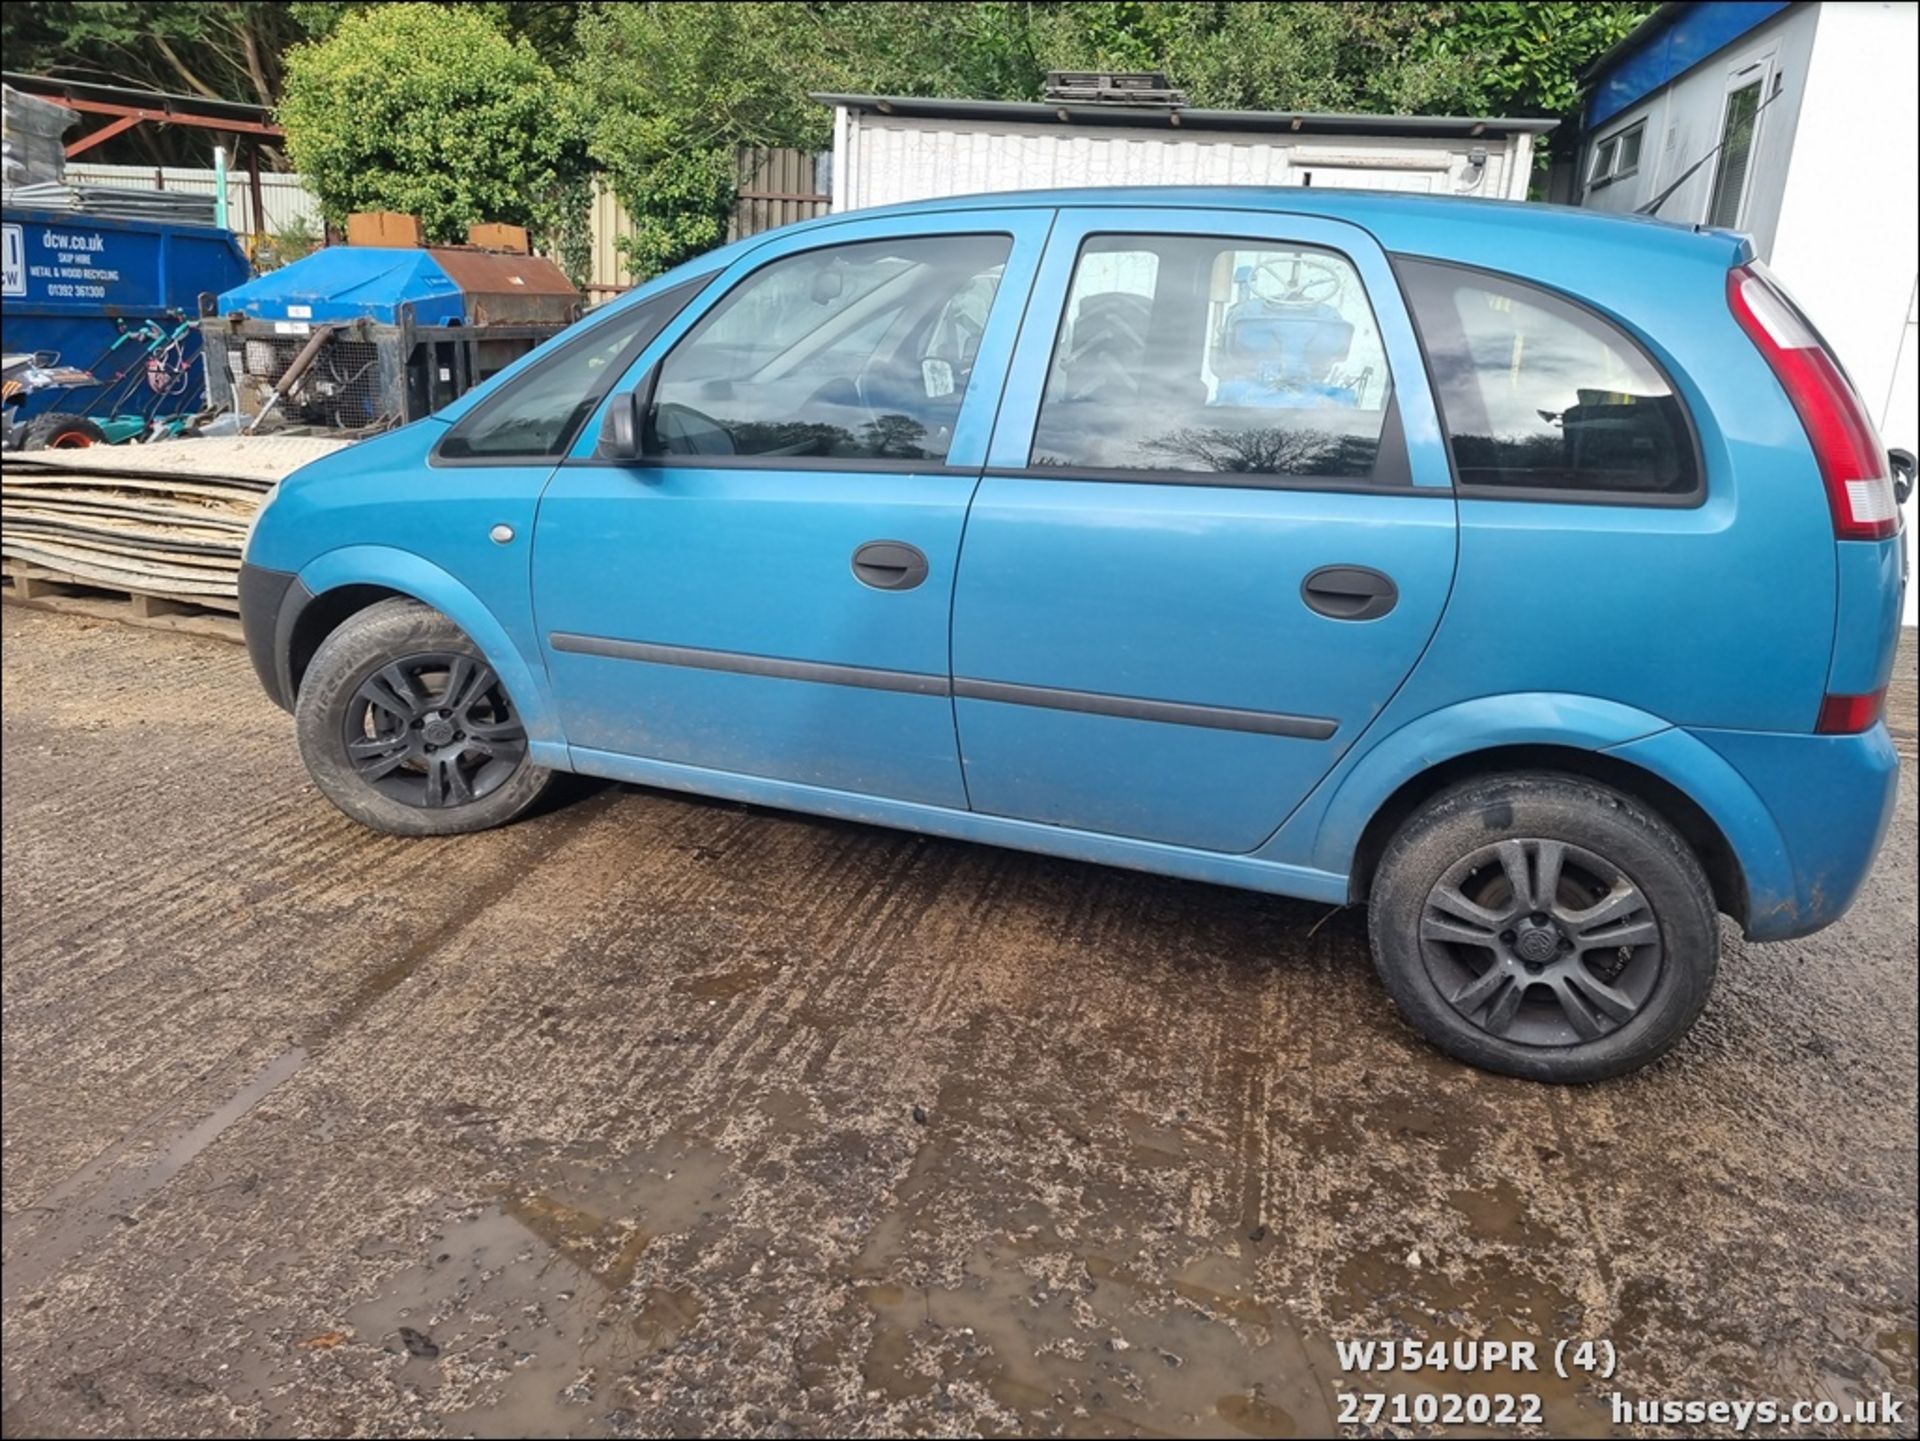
x: 1531, y: 575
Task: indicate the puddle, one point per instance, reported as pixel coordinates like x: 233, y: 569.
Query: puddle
x: 1080, y: 1343
x: 1501, y: 1213
x: 524, y: 1314
x: 1110, y: 1330
x: 728, y: 984
x: 1434, y: 1301
x: 1088, y: 1320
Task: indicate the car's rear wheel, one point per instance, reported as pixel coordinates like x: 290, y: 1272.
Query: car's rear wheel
x: 405, y: 726
x: 1545, y: 926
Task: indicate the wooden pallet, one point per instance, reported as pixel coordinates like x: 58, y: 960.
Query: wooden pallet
x: 46, y: 589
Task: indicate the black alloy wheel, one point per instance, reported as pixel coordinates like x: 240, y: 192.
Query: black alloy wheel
x: 434, y: 730
x: 1541, y: 943
x: 1545, y: 925
x: 407, y: 727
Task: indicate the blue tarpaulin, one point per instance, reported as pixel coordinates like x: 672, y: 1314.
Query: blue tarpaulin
x: 346, y: 282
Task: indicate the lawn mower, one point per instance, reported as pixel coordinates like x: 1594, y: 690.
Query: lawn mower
x: 130, y: 400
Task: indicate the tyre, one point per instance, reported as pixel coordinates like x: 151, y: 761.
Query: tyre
x: 405, y: 727
x: 61, y: 430
x: 1544, y: 926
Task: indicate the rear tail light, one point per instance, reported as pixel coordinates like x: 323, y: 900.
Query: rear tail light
x: 1853, y: 463
x: 1847, y: 715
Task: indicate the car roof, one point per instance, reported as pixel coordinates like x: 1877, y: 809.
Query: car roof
x: 1624, y: 260
x: 1396, y: 218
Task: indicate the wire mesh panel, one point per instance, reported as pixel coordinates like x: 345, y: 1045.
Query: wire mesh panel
x: 362, y: 377
x: 343, y: 387
x: 340, y: 389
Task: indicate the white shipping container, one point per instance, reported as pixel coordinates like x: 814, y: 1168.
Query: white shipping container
x: 892, y: 149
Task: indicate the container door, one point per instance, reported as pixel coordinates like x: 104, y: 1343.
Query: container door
x: 1216, y: 531
x: 769, y: 592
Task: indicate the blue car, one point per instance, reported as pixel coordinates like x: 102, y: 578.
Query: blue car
x: 1530, y: 575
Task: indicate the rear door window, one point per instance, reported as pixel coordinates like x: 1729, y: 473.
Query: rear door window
x: 1542, y: 398
x: 1215, y: 355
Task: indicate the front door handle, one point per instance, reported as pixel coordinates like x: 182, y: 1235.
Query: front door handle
x: 1349, y: 592
x: 889, y: 565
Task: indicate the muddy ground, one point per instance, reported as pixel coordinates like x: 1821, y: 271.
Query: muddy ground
x: 657, y: 1115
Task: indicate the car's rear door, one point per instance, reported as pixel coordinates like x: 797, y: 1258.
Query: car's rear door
x: 767, y: 592
x: 1215, y: 532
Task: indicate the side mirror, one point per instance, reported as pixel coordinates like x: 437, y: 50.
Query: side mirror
x: 1901, y: 462
x: 623, y: 431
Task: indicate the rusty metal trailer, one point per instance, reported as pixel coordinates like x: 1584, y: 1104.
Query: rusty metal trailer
x: 355, y: 338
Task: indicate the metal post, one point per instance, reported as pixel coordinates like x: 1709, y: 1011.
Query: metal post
x: 220, y: 186
x: 259, y: 195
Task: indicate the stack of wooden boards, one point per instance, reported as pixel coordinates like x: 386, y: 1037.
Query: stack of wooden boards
x: 166, y: 520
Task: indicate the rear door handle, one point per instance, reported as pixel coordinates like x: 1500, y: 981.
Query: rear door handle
x: 889, y: 565
x: 1349, y: 592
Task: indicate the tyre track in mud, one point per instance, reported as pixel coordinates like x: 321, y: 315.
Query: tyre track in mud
x: 657, y: 1114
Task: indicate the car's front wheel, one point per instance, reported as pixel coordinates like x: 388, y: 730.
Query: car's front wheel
x: 1545, y: 926
x: 404, y: 725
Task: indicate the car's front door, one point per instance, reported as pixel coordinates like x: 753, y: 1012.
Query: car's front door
x: 1216, y: 530
x: 767, y: 591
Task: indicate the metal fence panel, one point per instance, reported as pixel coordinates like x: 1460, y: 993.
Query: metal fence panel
x: 777, y: 186
x: 285, y: 197
x: 609, y: 222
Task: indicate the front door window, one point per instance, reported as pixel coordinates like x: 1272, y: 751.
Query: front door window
x: 856, y: 352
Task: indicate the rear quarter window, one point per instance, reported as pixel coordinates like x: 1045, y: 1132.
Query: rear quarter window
x: 1542, y: 398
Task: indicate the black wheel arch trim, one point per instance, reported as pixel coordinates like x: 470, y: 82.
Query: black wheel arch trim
x: 279, y: 613
x: 270, y: 605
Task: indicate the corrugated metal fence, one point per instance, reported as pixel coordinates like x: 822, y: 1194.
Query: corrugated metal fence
x: 777, y: 187
x: 285, y: 198
x: 608, y: 223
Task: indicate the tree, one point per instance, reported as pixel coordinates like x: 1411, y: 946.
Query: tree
x: 430, y: 110
x: 675, y: 87
x: 663, y: 93
x: 220, y: 49
x: 1526, y: 57
x: 546, y: 25
x: 1340, y: 57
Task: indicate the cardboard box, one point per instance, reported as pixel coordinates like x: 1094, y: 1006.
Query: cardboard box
x: 500, y: 237
x: 385, y: 227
